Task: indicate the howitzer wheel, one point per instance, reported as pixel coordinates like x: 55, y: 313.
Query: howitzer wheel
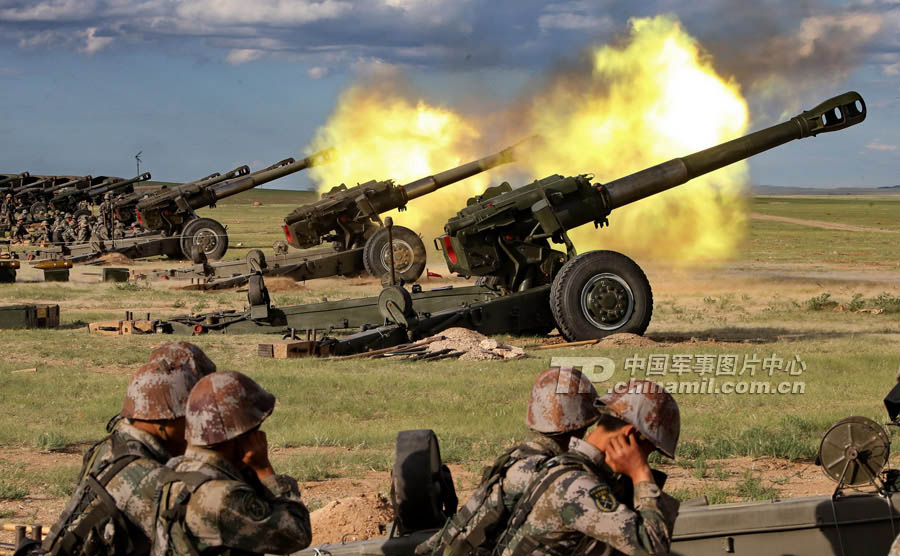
x: 408, y: 252
x: 256, y: 260
x: 38, y: 210
x: 208, y: 234
x: 396, y: 305
x: 600, y: 293
x: 854, y: 451
x: 257, y: 292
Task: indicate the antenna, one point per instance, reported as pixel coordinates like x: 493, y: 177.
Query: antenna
x: 137, y: 158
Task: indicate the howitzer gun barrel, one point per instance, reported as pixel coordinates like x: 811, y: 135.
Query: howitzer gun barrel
x: 215, y: 178
x: 274, y: 172
x: 36, y: 185
x: 9, y: 180
x: 430, y: 184
x: 106, y: 187
x: 836, y: 113
x: 65, y: 182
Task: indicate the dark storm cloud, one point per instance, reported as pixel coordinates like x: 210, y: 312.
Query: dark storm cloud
x: 758, y: 43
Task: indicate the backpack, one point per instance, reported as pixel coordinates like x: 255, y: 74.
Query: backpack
x: 92, y: 514
x: 422, y: 491
x: 172, y: 537
x: 475, y: 528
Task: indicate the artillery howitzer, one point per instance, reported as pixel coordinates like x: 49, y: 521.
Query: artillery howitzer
x: 125, y: 206
x: 525, y: 286
x: 68, y: 197
x: 172, y: 227
x: 349, y: 219
x: 503, y: 237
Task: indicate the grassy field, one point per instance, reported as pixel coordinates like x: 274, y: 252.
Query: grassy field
x: 826, y: 299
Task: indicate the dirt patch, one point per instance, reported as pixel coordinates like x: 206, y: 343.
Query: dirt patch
x: 114, y: 258
x: 626, y: 340
x: 474, y: 346
x: 350, y: 519
x: 282, y: 284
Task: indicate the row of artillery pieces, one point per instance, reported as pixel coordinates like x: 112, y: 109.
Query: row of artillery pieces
x: 514, y: 241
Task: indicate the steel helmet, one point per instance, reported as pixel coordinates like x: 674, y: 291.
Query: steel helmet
x: 223, y: 406
x: 562, y: 400
x: 653, y: 412
x: 184, y: 355
x: 158, y: 392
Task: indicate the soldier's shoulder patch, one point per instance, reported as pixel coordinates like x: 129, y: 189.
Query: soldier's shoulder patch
x: 603, y: 498
x: 253, y: 506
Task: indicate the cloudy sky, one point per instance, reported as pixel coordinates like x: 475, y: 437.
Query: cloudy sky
x: 204, y: 85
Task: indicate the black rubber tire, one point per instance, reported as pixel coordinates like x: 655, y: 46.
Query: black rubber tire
x: 38, y: 210
x: 375, y: 246
x: 207, y: 233
x: 572, y: 289
x: 256, y: 260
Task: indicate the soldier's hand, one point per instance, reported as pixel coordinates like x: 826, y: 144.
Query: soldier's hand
x: 624, y: 455
x: 256, y: 454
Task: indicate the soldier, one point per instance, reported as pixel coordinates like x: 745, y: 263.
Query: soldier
x: 44, y: 233
x: 113, y: 508
x: 98, y: 231
x: 6, y: 211
x: 118, y: 230
x: 83, y: 231
x: 557, y: 415
x: 19, y: 231
x: 225, y: 493
x: 67, y: 229
x: 601, y: 495
x: 107, y: 213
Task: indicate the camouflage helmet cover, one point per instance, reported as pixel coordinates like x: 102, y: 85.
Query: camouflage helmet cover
x: 223, y: 406
x: 160, y: 388
x: 157, y: 392
x: 562, y: 400
x: 650, y: 408
x: 184, y: 355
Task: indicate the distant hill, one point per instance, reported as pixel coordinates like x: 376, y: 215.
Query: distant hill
x: 780, y: 190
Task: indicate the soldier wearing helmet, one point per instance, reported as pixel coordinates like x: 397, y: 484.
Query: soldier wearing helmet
x: 44, y: 233
x: 224, y: 493
x: 601, y: 495
x: 561, y: 408
x: 113, y: 508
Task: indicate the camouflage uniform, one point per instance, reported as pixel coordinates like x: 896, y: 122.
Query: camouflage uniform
x: 83, y: 231
x: 44, y: 232
x: 132, y: 460
x: 19, y: 232
x: 239, y: 512
x: 581, y: 512
x: 107, y: 212
x: 126, y: 488
x: 210, y: 504
x: 550, y: 412
x: 6, y: 211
